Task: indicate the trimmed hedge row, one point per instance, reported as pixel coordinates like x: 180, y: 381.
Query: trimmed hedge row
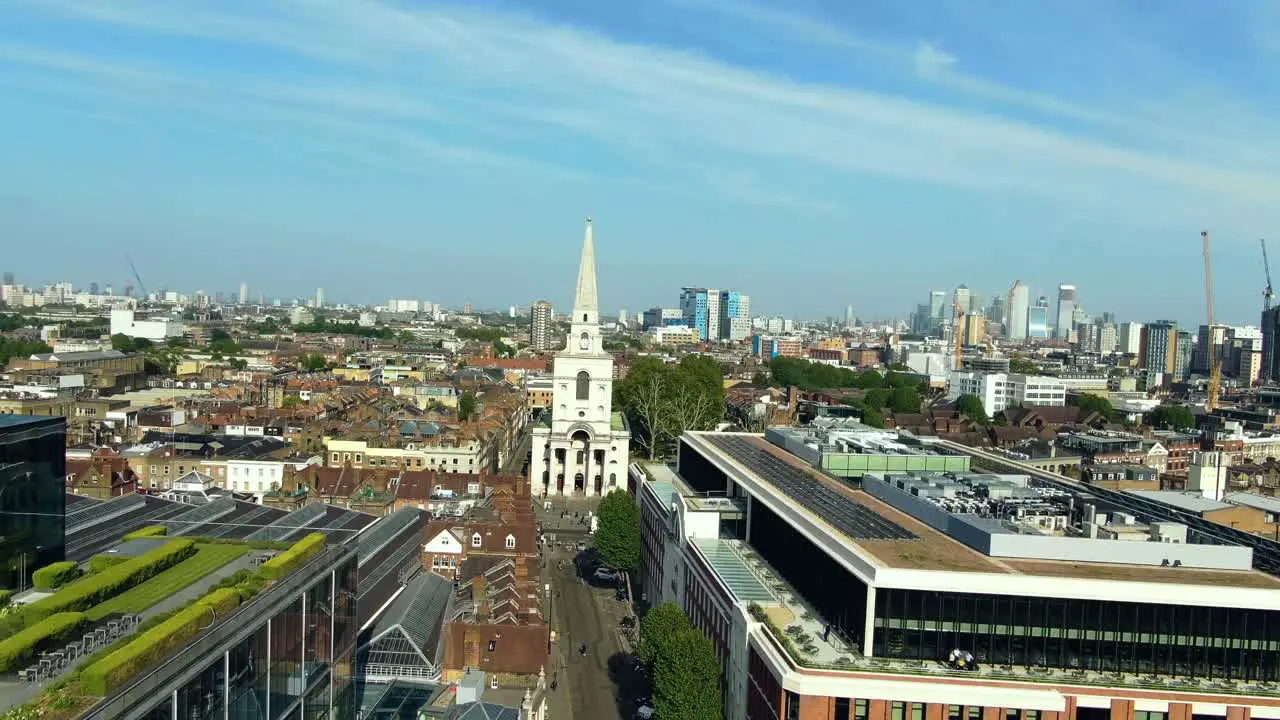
x: 55, y: 575
x: 87, y: 592
x: 5, y: 598
x: 146, y: 532
x: 98, y: 563
x: 293, y: 558
x: 20, y: 647
x: 157, y: 643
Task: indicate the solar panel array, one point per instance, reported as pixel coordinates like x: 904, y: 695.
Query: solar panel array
x: 386, y: 530
x: 90, y: 514
x: 854, y: 520
x: 255, y: 516
x: 195, y: 517
x: 289, y: 524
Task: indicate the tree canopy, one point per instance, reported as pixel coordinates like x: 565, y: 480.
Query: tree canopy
x: 684, y: 665
x: 329, y: 327
x: 807, y: 375
x: 14, y: 348
x: 662, y: 400
x: 618, y: 532
x: 971, y: 407
x: 1023, y: 366
x: 483, y: 334
x: 127, y: 344
x: 314, y: 362
x: 1172, y: 417
x: 467, y: 406
x: 1093, y: 403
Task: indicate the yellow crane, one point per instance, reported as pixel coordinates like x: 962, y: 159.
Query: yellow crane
x: 1215, y: 362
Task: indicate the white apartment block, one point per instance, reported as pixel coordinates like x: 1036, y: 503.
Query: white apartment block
x: 998, y: 391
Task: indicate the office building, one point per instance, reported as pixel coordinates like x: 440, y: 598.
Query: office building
x: 1182, y: 359
x: 1130, y: 341
x: 540, y: 314
x: 1158, y: 355
x: 975, y: 328
x: 1066, y: 311
x: 9, y: 279
x: 157, y: 329
x: 1038, y: 320
x: 856, y: 600
x: 998, y: 391
x: 701, y: 310
x: 244, y: 293
x: 33, y: 472
x: 657, y: 317
x: 319, y: 297
x: 1243, y: 354
x: 938, y: 306
x: 582, y: 448
x: 1271, y: 345
x: 623, y: 317
x: 1107, y: 338
x: 849, y: 320
x: 1217, y: 336
x: 735, y: 316
x: 1086, y: 336
x: 961, y: 300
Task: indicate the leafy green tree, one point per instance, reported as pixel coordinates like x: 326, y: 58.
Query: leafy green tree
x: 873, y: 417
x: 904, y: 400
x: 123, y: 343
x: 13, y: 348
x: 467, y: 406
x: 405, y: 336
x: 618, y: 533
x: 662, y: 401
x: 1093, y: 403
x: 658, y: 629
x: 314, y: 362
x: 876, y: 398
x: 760, y: 379
x: 238, y: 364
x: 971, y: 407
x: 684, y: 663
x: 1023, y: 366
x: 291, y: 401
x: 218, y: 334
x: 870, y: 379
x: 1172, y: 417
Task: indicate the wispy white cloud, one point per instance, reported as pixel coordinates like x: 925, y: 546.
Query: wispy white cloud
x: 433, y: 63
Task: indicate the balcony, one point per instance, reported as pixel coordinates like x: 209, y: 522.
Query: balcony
x: 804, y: 652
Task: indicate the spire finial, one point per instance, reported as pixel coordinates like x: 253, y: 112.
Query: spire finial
x: 586, y: 306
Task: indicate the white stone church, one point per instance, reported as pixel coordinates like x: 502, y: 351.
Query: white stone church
x: 582, y: 449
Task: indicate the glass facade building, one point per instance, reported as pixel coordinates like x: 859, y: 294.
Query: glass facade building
x: 33, y: 474
x: 1107, y: 636
x: 294, y: 663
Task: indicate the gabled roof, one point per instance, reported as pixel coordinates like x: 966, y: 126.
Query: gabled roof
x: 408, y: 632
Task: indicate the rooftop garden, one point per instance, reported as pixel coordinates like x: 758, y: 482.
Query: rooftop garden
x: 114, y: 586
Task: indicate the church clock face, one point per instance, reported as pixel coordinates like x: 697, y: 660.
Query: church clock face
x: 584, y: 342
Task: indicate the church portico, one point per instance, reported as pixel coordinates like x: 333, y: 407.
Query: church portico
x: 582, y: 448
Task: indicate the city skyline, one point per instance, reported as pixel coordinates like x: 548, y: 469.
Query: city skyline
x: 871, y: 148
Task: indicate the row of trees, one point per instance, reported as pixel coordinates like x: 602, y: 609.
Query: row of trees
x: 683, y: 664
x: 617, y: 535
x: 806, y: 375
x: 662, y: 400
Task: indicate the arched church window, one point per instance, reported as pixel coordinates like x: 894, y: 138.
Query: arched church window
x: 584, y: 385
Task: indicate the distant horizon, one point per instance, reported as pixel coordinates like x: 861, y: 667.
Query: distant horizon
x: 812, y: 155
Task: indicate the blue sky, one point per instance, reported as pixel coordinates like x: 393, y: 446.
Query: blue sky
x: 813, y: 154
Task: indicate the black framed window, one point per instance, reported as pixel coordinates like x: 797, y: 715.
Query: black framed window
x: 842, y: 709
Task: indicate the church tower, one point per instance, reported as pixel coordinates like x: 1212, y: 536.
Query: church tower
x: 583, y: 449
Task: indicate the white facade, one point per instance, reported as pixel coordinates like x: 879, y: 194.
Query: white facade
x: 998, y: 391
x: 124, y: 322
x: 1130, y: 338
x: 583, y: 452
x: 1019, y: 304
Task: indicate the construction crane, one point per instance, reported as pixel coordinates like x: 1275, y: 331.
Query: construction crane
x: 136, y: 276
x: 957, y: 325
x: 1215, y: 362
x: 1268, y: 295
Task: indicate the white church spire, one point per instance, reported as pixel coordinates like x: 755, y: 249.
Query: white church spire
x: 586, y: 304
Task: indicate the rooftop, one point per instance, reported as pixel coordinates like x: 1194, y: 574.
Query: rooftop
x: 892, y: 539
x: 1189, y: 501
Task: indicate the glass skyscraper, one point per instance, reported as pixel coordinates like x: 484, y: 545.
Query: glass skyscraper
x: 33, y: 473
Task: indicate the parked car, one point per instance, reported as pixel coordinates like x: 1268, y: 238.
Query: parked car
x: 606, y: 575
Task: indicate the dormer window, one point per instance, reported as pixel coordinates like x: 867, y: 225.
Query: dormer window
x: 475, y: 540
x: 511, y: 542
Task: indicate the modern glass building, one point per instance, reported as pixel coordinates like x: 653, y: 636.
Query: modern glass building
x: 1038, y: 321
x: 287, y: 654
x: 33, y: 473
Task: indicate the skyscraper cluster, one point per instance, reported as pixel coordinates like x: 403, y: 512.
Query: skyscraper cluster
x: 716, y: 314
